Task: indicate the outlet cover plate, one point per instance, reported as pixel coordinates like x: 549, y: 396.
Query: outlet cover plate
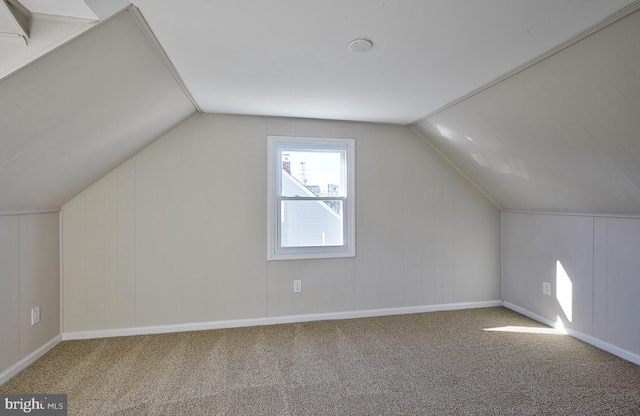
x: 297, y: 286
x: 35, y: 315
x: 546, y: 288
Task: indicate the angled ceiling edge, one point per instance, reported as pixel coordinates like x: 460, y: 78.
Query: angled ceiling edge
x: 76, y: 113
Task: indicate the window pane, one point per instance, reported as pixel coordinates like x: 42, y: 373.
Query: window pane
x: 311, y: 223
x: 312, y: 173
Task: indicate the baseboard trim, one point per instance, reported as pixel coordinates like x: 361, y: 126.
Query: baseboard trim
x: 238, y: 323
x: 29, y: 359
x: 596, y: 342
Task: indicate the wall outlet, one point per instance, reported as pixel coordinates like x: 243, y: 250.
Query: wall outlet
x: 35, y: 315
x: 546, y: 288
x: 297, y: 286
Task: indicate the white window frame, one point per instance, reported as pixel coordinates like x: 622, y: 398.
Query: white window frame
x: 274, y: 177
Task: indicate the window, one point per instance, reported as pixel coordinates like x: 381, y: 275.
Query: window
x: 311, y: 189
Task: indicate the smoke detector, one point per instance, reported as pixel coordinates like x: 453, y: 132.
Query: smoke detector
x: 360, y: 45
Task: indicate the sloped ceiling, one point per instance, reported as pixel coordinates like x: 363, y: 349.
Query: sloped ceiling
x: 72, y: 116
x: 291, y: 58
x: 75, y: 8
x: 561, y: 136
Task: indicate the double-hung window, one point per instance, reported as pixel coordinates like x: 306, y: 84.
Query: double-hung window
x: 311, y: 189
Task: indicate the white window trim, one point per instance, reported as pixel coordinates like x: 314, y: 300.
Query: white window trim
x: 273, y: 169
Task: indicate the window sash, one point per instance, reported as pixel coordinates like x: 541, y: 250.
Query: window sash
x: 277, y: 145
x: 331, y: 248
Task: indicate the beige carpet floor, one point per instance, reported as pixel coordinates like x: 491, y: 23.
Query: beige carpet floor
x: 442, y: 363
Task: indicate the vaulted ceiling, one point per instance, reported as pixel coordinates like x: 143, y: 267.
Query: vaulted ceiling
x: 291, y: 58
x: 72, y: 116
x: 561, y: 134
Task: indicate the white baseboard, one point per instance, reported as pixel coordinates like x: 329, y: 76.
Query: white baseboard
x: 237, y: 323
x: 29, y: 359
x: 598, y: 343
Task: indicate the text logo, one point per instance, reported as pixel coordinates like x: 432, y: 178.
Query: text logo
x: 33, y: 404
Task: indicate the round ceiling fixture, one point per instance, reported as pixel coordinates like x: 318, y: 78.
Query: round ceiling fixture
x: 360, y: 45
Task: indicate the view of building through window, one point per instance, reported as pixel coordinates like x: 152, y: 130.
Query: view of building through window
x: 311, y: 207
x: 315, y: 174
x: 319, y: 171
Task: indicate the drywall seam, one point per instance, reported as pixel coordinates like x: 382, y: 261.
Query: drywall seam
x: 619, y: 15
x: 589, y: 339
x: 238, y: 323
x: 29, y: 359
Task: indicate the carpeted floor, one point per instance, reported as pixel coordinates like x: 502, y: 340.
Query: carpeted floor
x: 442, y: 363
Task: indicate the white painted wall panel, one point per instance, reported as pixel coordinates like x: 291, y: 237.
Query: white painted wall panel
x: 74, y: 261
x: 10, y: 293
x: 237, y: 186
x: 600, y: 277
x: 476, y: 223
x: 601, y: 256
x: 125, y: 248
x: 110, y: 284
x: 159, y: 240
x: 29, y: 277
x: 198, y: 238
x: 327, y: 286
x: 380, y: 189
x: 190, y: 246
x: 96, y: 241
x: 39, y: 280
x: 532, y: 246
x: 623, y: 283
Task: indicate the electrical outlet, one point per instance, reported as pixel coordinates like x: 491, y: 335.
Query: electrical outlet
x: 546, y: 288
x: 297, y: 286
x: 35, y: 315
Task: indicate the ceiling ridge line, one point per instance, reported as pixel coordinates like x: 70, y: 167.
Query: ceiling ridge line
x: 144, y: 25
x: 619, y: 15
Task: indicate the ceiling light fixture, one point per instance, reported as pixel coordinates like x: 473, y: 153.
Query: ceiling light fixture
x: 360, y: 45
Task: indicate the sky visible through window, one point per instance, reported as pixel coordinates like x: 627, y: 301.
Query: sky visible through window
x: 316, y: 168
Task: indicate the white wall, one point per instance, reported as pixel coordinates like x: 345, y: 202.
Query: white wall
x: 29, y: 277
x: 601, y: 256
x: 178, y: 234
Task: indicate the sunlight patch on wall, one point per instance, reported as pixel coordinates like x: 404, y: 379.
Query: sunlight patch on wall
x: 444, y: 131
x: 564, y: 291
x: 559, y: 325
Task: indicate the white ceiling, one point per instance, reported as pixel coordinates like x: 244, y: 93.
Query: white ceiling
x: 290, y: 57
